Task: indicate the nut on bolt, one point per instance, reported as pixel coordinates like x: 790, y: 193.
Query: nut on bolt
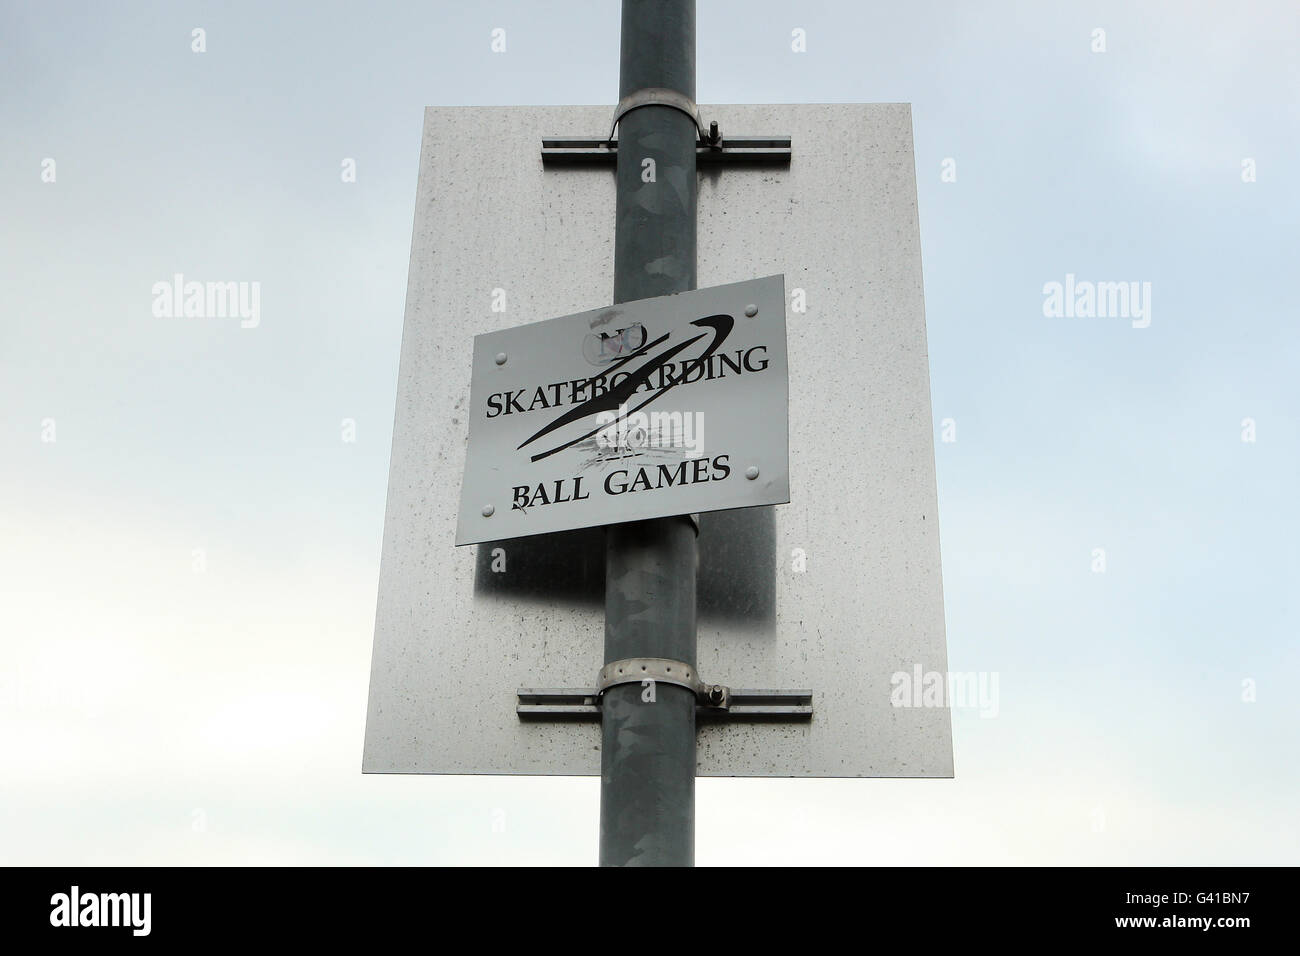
x: 717, y: 694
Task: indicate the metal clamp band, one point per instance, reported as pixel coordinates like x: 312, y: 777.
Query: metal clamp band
x: 634, y: 670
x: 657, y: 96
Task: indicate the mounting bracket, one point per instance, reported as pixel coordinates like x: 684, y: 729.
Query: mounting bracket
x: 657, y: 96
x: 731, y: 151
x: 713, y: 701
x: 636, y: 670
x: 711, y: 150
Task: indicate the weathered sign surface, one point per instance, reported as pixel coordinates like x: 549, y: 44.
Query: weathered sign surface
x: 663, y: 406
x: 838, y: 591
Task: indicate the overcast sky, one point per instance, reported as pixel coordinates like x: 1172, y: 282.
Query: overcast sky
x: 189, y: 554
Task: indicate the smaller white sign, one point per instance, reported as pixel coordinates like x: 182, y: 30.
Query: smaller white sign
x: 646, y: 409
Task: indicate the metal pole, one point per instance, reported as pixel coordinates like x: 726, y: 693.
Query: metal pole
x: 647, y: 785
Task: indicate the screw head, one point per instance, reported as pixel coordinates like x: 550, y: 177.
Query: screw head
x: 488, y: 511
x: 751, y: 472
x: 501, y: 358
x: 751, y: 310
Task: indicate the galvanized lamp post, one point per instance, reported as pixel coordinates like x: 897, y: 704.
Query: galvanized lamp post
x: 647, y: 782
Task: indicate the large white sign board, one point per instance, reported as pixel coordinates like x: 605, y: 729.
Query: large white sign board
x: 837, y: 591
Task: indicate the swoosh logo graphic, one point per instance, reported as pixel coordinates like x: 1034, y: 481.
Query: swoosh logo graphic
x: 620, y: 394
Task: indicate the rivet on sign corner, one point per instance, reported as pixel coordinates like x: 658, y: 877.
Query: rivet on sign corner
x: 488, y: 511
x: 751, y: 472
x: 751, y: 310
x: 501, y: 358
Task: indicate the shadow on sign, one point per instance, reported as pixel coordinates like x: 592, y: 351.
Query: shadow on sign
x: 736, y: 584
